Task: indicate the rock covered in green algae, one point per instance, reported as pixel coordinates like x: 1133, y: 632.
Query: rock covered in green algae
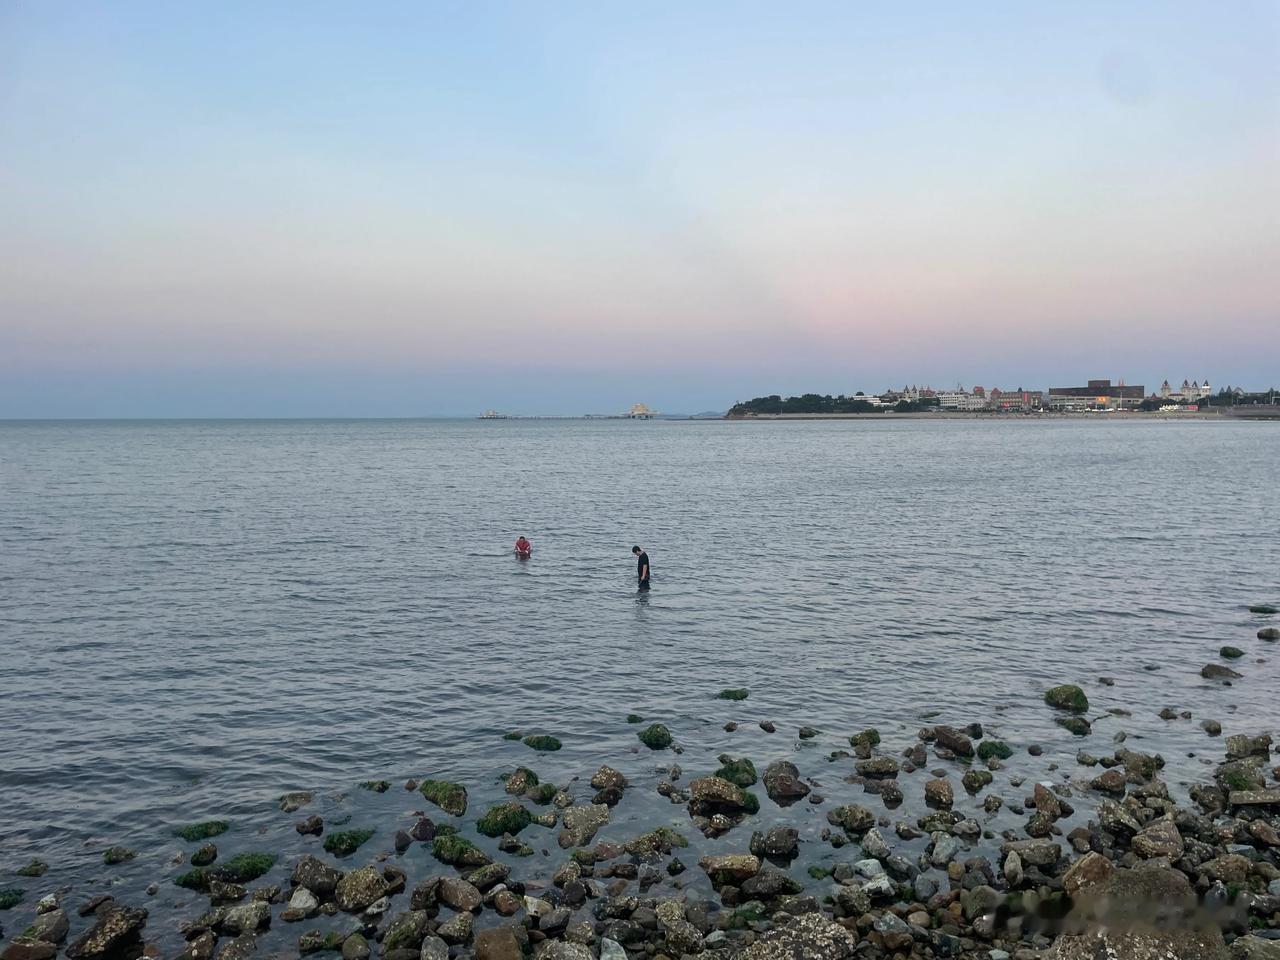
x: 542, y: 743
x: 320, y: 941
x: 504, y: 818
x: 1077, y: 725
x: 1263, y: 608
x: 448, y: 796
x: 36, y: 868
x: 376, y: 786
x: 346, y: 842
x: 737, y: 770
x: 994, y: 748
x: 1067, y: 696
x: 116, y: 855
x: 655, y: 736
x: 1231, y: 653
x: 202, y: 831
x: 457, y: 851
x: 869, y: 737
x: 733, y: 693
x: 520, y: 781
x: 634, y: 718
x: 242, y: 868
x: 10, y: 897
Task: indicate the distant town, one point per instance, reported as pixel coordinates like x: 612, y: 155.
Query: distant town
x: 1096, y: 396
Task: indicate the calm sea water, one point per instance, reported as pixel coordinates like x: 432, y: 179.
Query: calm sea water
x: 196, y: 616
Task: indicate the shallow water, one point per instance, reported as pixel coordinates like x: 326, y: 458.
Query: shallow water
x: 197, y: 616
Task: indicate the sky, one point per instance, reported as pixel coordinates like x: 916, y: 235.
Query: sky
x: 402, y: 209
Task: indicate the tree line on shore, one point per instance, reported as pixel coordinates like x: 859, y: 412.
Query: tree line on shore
x: 819, y: 403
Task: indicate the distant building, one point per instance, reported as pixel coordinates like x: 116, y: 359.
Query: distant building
x: 1097, y: 395
x: 639, y: 411
x: 961, y: 400
x: 1192, y: 392
x: 1010, y: 401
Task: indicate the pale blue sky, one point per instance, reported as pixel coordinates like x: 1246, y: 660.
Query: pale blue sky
x: 399, y: 208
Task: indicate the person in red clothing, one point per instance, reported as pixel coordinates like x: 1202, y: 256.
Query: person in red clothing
x: 523, y: 547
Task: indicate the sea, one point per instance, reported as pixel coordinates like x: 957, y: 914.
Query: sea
x: 197, y: 616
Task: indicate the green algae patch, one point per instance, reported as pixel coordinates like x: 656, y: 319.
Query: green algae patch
x: 542, y: 743
x: 376, y: 786
x: 740, y: 772
x: 750, y: 802
x: 733, y: 693
x: 346, y: 842
x: 504, y: 818
x: 116, y: 855
x: 1067, y: 697
x: 819, y: 873
x: 869, y: 737
x: 543, y: 793
x: 655, y: 737
x: 634, y: 718
x: 994, y: 748
x: 1077, y: 725
x: 203, y: 831
x: 10, y: 897
x: 36, y: 868
x: 197, y: 879
x: 1263, y: 608
x: 457, y: 851
x: 448, y: 796
x: 513, y: 735
x: 243, y: 867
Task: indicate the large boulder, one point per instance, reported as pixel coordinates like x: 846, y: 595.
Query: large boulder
x: 117, y: 928
x: 952, y: 739
x: 809, y: 937
x: 783, y: 784
x: 579, y: 824
x: 1148, y: 912
x: 317, y: 876
x: 360, y: 889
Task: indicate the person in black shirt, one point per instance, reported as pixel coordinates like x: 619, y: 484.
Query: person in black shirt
x: 642, y: 568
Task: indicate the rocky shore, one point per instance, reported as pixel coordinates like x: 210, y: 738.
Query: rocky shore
x: 951, y: 843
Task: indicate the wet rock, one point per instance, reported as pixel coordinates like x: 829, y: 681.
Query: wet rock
x: 878, y: 768
x: 407, y: 931
x: 116, y: 929
x: 1160, y: 838
x: 1212, y: 727
x: 579, y: 824
x: 457, y: 929
x: 974, y: 781
x: 1116, y: 820
x: 608, y: 778
x: 1076, y: 725
x: 1216, y: 671
x: 783, y: 784
x: 807, y: 733
x: 1091, y: 870
x: 1269, y: 633
x: 317, y: 876
x: 1228, y: 868
x: 778, y: 842
x: 730, y: 868
x: 853, y: 818
x: 1112, y: 781
x: 497, y: 943
x: 953, y: 740
x: 423, y: 830
x: 488, y: 877
x: 1253, y: 947
x: 356, y: 947
x: 222, y: 892
x: 1067, y: 696
x: 938, y: 794
x: 312, y: 826
x: 359, y: 889
x: 1138, y: 914
x: 313, y: 941
x: 50, y: 927
x: 1036, y: 853
x: 808, y: 937
x: 117, y: 855
x: 291, y: 802
x: 1241, y: 746
x: 247, y: 918
x: 459, y: 894
x: 27, y: 948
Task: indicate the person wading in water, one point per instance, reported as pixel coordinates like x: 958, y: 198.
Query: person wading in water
x: 642, y: 568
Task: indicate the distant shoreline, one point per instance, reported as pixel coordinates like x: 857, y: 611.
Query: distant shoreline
x: 1230, y: 413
